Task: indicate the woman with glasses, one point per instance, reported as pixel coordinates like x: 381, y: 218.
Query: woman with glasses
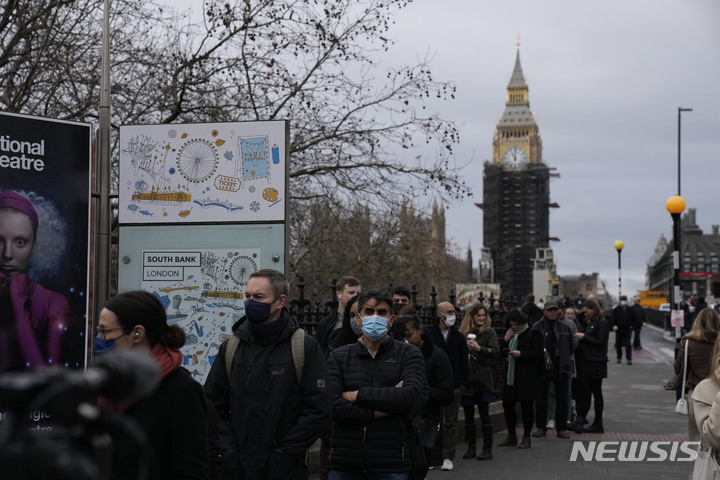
x: 483, y: 348
x: 174, y: 417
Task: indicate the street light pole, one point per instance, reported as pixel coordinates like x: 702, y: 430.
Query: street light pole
x: 680, y: 110
x: 619, y: 246
x: 676, y: 205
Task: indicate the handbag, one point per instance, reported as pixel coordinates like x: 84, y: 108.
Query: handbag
x: 675, y: 382
x: 428, y: 430
x: 705, y: 466
x: 417, y: 451
x: 681, y: 406
x: 547, y: 364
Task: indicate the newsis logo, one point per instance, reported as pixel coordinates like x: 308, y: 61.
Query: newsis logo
x: 634, y: 451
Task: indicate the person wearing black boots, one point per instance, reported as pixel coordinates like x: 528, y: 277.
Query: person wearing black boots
x: 524, y: 349
x: 483, y: 348
x: 594, y: 345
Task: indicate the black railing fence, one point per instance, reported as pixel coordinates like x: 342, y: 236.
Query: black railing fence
x: 308, y: 313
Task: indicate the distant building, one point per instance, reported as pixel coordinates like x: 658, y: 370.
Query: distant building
x: 587, y: 285
x: 545, y: 279
x: 699, y: 261
x: 516, y: 197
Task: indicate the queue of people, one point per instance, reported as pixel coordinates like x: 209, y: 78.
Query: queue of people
x: 383, y: 392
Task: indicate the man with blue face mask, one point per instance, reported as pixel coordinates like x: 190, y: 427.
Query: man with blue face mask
x: 447, y: 337
x: 269, y: 415
x: 376, y: 385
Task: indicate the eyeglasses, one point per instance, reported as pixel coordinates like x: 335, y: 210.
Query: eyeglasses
x: 102, y: 331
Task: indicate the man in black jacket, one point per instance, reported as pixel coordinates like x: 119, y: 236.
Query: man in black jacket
x: 269, y: 415
x: 376, y: 384
x: 447, y: 336
x: 558, y: 342
x: 622, y: 321
x: 639, y: 317
x: 328, y: 326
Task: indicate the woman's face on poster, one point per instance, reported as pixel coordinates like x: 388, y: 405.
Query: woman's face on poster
x: 17, y: 240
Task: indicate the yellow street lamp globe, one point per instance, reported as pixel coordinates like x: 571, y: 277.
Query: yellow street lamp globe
x: 618, y: 245
x: 675, y: 204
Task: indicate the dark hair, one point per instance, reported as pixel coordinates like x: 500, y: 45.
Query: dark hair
x: 593, y: 305
x: 346, y: 281
x: 401, y: 291
x: 277, y: 280
x: 377, y: 295
x: 516, y: 316
x: 346, y: 335
x: 408, y: 316
x: 139, y: 307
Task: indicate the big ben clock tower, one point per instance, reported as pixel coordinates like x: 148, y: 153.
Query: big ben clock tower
x: 516, y: 194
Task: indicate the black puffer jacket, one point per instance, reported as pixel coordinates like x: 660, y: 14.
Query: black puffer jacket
x: 358, y: 441
x: 267, y: 420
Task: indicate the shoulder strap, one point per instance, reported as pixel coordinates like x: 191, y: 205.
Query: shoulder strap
x: 297, y: 345
x: 230, y: 350
x: 685, y: 365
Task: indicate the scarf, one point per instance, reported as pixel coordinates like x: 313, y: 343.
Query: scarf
x: 168, y: 359
x: 511, y: 360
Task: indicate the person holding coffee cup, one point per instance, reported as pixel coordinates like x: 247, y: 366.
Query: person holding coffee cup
x: 483, y: 348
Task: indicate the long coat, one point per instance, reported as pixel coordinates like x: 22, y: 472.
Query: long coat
x: 528, y: 367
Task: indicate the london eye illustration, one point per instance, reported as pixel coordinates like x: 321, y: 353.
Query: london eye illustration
x: 197, y: 160
x: 241, y: 268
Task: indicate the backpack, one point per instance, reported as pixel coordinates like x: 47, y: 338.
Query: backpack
x: 297, y: 347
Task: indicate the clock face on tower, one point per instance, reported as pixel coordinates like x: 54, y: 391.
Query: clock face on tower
x: 515, y: 158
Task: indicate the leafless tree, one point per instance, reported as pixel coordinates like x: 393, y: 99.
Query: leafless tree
x: 360, y: 134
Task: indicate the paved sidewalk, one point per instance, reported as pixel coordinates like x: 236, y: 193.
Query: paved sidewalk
x: 637, y: 408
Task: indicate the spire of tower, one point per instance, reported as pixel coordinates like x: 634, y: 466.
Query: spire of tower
x: 517, y: 80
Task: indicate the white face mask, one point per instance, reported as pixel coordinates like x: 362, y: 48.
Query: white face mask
x: 450, y: 320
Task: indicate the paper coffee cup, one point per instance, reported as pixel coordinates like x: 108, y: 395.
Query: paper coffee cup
x: 472, y: 336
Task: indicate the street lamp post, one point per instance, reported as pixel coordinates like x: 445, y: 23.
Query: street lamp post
x: 676, y: 205
x: 680, y: 110
x: 619, y: 246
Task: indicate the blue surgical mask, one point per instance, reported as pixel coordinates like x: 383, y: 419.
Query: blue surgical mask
x: 257, y: 312
x: 103, y: 346
x: 375, y: 327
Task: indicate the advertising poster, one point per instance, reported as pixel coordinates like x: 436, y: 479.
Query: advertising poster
x: 44, y: 241
x: 203, y: 292
x: 203, y: 173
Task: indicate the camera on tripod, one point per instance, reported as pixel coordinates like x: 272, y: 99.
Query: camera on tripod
x: 52, y: 428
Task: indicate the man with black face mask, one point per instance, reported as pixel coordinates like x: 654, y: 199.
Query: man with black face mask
x: 270, y: 414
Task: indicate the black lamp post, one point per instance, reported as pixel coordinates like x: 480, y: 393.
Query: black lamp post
x: 680, y: 110
x: 619, y: 246
x: 676, y: 205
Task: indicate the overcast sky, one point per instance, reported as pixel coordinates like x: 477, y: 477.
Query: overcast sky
x: 606, y: 79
